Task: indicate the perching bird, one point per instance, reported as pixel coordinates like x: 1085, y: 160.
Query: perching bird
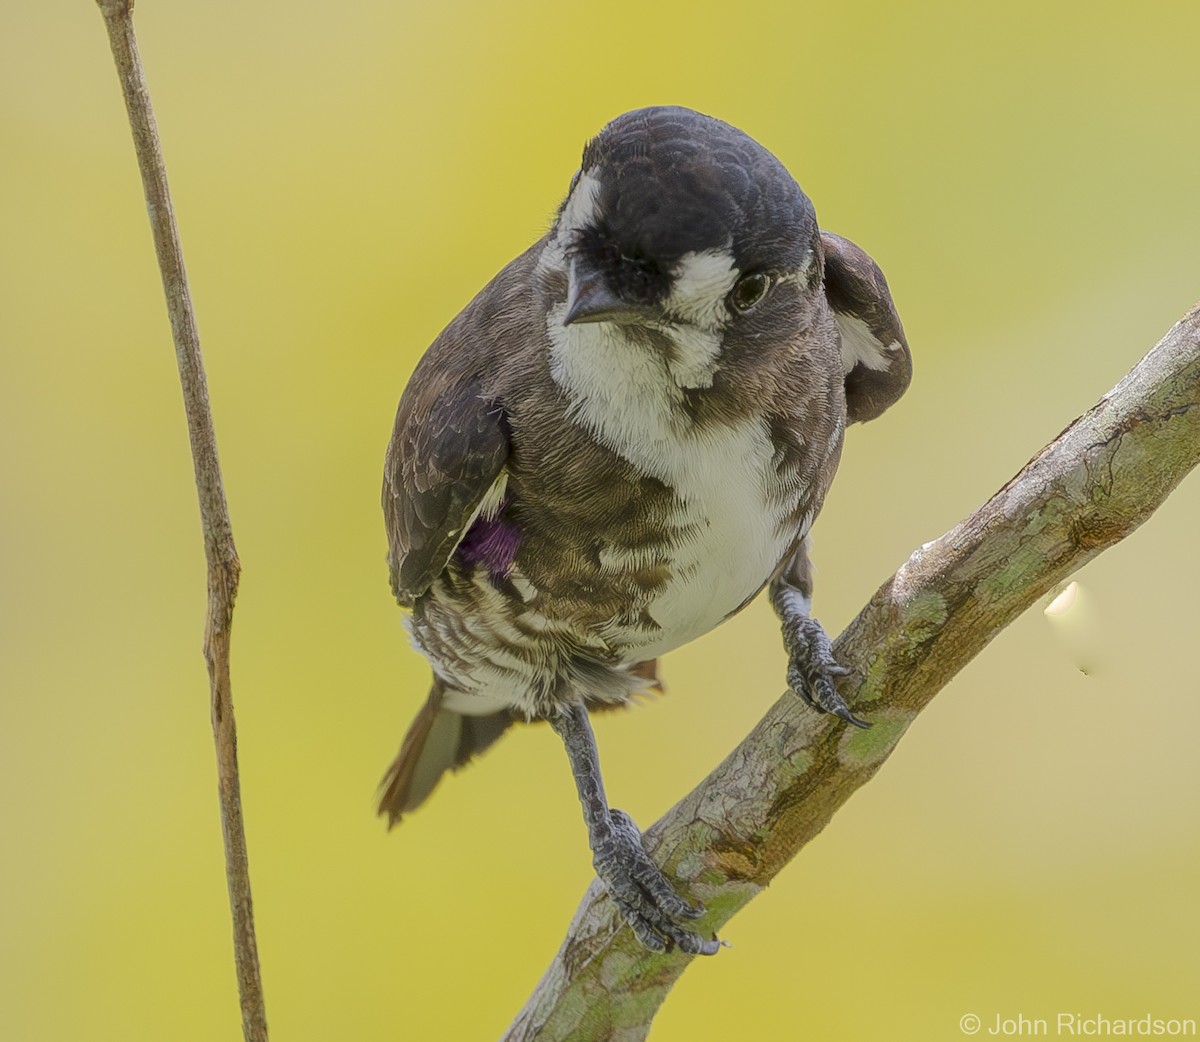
x: 616, y: 446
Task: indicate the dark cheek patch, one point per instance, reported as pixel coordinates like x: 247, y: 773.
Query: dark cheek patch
x: 633, y: 276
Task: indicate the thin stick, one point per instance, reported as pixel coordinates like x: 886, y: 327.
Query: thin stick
x: 222, y: 559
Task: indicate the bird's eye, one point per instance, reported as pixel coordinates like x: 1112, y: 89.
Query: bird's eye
x: 749, y: 290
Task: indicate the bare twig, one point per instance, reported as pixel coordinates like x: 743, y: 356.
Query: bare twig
x: 223, y: 565
x: 1088, y: 489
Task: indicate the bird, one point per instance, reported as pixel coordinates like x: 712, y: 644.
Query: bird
x: 616, y: 446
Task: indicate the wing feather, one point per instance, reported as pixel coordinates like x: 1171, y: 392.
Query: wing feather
x: 448, y: 448
x: 874, y: 348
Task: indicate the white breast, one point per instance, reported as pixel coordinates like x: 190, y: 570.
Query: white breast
x: 731, y: 506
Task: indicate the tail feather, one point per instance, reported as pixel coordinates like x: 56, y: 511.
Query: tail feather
x: 441, y: 740
x: 648, y: 671
x: 438, y: 740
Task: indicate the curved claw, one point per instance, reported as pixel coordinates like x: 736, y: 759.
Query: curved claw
x: 843, y: 713
x: 647, y: 900
x: 812, y: 669
x: 709, y: 947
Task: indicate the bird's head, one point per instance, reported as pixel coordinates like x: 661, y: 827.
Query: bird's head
x: 680, y: 226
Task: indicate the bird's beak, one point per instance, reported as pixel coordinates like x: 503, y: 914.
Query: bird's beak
x: 590, y: 299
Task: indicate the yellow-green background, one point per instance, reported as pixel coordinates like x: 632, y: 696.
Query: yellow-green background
x: 346, y: 177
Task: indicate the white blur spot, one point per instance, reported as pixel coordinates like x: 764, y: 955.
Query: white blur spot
x: 1064, y: 602
x: 1078, y: 626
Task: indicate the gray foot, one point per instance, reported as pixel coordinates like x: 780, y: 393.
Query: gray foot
x: 812, y: 669
x: 646, y: 899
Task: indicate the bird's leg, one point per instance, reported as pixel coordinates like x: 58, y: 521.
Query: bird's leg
x: 636, y: 884
x: 812, y: 669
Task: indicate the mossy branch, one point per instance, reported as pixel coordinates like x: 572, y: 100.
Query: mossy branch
x: 219, y: 551
x: 1086, y: 490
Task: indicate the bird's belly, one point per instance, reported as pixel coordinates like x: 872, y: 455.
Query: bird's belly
x: 728, y: 548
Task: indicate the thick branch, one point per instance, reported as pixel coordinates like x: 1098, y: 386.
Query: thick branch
x: 1088, y: 489
x: 223, y: 565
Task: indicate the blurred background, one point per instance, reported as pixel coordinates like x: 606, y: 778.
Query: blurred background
x: 346, y: 178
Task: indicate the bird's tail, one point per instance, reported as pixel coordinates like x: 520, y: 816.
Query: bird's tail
x: 438, y: 740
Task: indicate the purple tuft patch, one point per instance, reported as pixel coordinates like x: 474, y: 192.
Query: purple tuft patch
x: 492, y: 543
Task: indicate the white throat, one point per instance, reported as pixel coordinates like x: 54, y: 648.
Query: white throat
x: 622, y: 391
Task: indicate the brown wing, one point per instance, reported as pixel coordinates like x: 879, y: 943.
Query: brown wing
x: 448, y: 447
x: 874, y: 348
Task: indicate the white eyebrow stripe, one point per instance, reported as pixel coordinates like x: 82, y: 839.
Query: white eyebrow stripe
x: 583, y: 206
x: 580, y: 211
